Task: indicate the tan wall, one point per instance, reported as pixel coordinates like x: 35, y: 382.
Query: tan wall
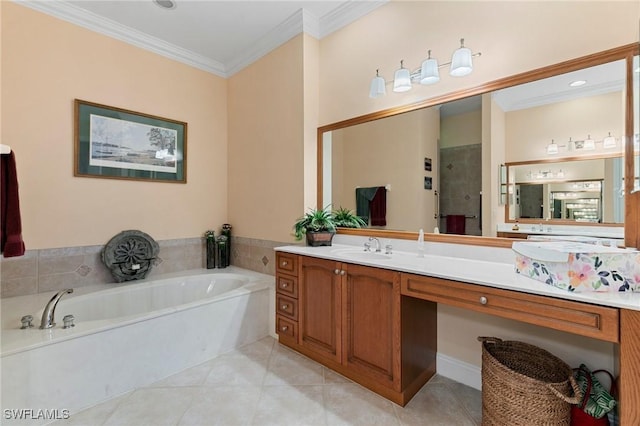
x: 266, y: 144
x: 513, y: 37
x: 530, y: 130
x: 390, y: 152
x: 46, y: 64
x: 461, y: 129
x: 493, y: 147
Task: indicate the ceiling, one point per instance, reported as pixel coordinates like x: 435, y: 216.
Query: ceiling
x: 221, y: 37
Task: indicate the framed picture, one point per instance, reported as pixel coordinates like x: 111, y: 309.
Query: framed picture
x: 119, y: 144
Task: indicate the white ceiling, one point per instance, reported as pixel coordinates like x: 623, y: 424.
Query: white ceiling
x: 221, y: 37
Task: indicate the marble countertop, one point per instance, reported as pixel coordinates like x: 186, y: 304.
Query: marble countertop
x: 497, y: 274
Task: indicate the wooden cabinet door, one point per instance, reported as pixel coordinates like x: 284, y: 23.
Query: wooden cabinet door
x: 320, y: 307
x: 371, y: 309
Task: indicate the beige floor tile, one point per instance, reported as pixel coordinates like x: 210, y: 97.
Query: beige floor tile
x: 331, y: 376
x: 152, y: 407
x: 290, y: 406
x: 96, y: 415
x: 287, y: 367
x: 351, y: 404
x: 190, y: 377
x: 223, y: 406
x: 237, y: 370
x: 434, y: 405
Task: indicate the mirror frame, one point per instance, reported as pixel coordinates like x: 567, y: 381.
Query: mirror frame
x: 552, y: 161
x: 632, y: 200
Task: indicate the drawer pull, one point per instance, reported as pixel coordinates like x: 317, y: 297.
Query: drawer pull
x: 284, y: 328
x: 284, y: 307
x: 343, y: 272
x: 285, y: 263
x: 483, y: 300
x: 284, y: 285
x: 336, y: 271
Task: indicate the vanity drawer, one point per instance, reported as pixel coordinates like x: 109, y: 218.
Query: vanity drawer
x: 287, y: 264
x: 287, y: 285
x: 595, y: 321
x: 287, y: 306
x: 286, y: 327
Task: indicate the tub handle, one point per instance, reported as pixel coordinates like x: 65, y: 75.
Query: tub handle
x: 26, y: 322
x: 68, y: 321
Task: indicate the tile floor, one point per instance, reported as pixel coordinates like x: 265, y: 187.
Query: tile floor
x: 265, y: 383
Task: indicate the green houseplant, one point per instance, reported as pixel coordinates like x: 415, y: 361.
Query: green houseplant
x: 318, y: 226
x: 345, y: 218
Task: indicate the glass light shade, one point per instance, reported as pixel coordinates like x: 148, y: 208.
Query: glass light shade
x: 461, y: 64
x: 429, y: 73
x: 609, y: 142
x: 402, y: 80
x: 552, y: 148
x: 377, y: 88
x: 589, y: 144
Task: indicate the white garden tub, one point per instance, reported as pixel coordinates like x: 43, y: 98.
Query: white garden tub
x: 126, y: 336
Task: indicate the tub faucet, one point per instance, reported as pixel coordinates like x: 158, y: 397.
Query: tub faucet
x: 50, y: 310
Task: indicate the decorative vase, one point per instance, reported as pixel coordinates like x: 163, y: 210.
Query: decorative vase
x: 320, y: 238
x: 211, y: 252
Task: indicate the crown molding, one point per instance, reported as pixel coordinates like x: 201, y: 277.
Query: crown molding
x: 83, y: 18
x: 301, y: 21
x: 345, y: 14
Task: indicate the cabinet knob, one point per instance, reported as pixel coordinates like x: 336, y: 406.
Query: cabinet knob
x: 336, y: 271
x: 285, y: 263
x: 284, y: 328
x: 483, y: 300
x: 284, y: 307
x: 343, y: 272
x: 284, y: 285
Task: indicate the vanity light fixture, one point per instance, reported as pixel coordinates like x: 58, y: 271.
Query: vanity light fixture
x: 461, y: 64
x: 609, y: 142
x: 552, y: 148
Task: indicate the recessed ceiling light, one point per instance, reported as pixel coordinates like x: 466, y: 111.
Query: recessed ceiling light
x: 165, y: 4
x: 577, y: 83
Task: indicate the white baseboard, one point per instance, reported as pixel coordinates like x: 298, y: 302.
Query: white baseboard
x: 459, y: 371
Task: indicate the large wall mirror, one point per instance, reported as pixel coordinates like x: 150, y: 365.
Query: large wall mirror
x: 560, y: 140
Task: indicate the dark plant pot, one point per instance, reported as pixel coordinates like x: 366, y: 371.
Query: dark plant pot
x: 321, y: 238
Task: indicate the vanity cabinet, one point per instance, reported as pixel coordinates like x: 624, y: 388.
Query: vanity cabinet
x: 353, y: 319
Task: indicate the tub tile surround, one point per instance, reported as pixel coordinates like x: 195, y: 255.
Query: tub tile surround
x: 46, y: 270
x: 267, y: 393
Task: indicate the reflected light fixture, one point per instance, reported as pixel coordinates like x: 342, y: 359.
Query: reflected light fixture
x: 552, y: 148
x: 165, y: 4
x: 589, y: 144
x: 578, y: 83
x: 460, y: 65
x: 609, y: 142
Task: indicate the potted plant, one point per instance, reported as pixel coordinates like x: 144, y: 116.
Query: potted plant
x: 345, y: 218
x: 318, y: 225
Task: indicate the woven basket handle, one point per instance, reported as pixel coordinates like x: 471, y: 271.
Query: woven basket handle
x: 577, y: 393
x: 489, y: 339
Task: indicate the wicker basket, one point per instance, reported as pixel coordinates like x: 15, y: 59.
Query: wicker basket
x: 523, y: 385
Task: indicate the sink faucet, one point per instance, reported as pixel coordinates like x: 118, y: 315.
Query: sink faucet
x: 50, y: 310
x: 371, y: 239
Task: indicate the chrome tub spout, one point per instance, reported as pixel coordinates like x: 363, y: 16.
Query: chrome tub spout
x: 50, y: 310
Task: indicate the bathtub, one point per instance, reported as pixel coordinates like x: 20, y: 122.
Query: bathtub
x: 126, y: 336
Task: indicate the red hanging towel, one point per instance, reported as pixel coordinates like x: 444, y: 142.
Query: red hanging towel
x: 455, y: 224
x: 11, y: 243
x: 378, y: 207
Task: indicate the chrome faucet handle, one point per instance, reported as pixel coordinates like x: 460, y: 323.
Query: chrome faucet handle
x: 68, y: 321
x: 367, y: 246
x: 387, y: 249
x: 26, y: 322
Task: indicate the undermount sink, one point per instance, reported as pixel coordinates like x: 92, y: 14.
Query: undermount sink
x: 360, y: 254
